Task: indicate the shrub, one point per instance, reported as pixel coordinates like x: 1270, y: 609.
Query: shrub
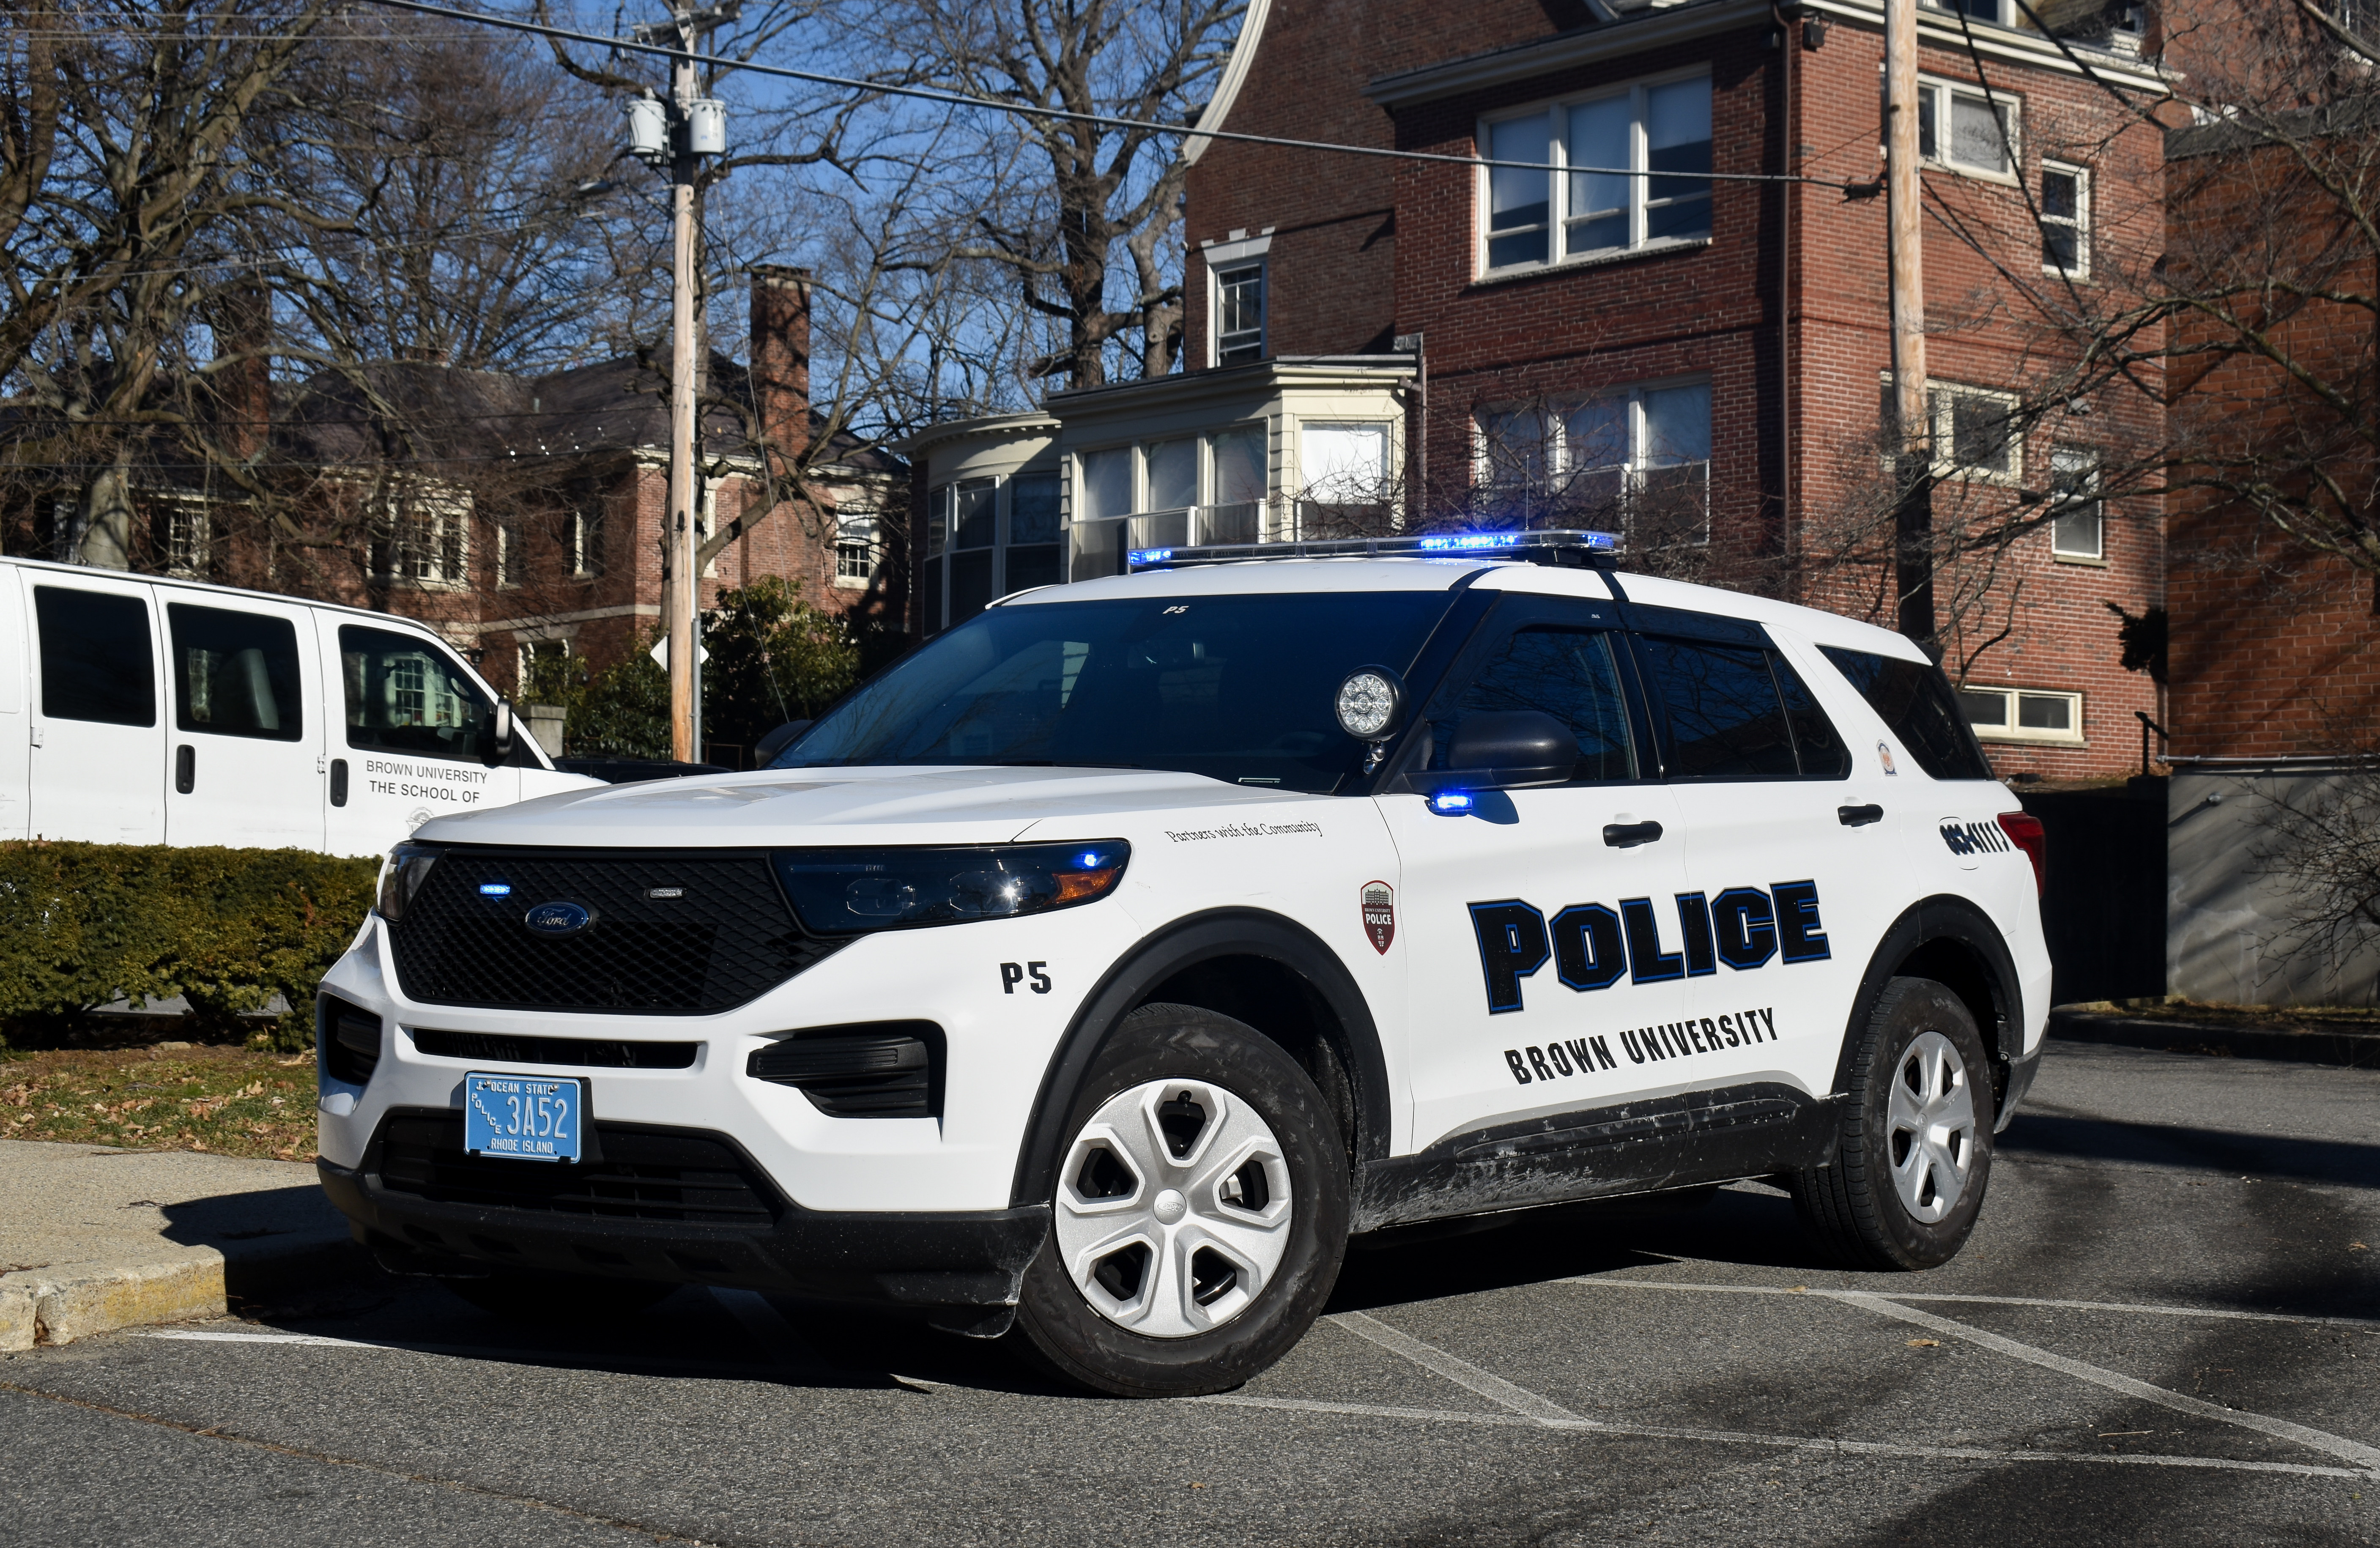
x: 85, y: 924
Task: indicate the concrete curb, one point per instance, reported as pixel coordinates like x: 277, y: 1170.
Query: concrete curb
x: 61, y: 1302
x: 2349, y: 1050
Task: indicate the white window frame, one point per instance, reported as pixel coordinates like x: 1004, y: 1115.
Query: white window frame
x: 1555, y: 112
x: 1934, y: 93
x: 2080, y: 225
x: 2011, y: 731
x: 1996, y: 15
x: 1554, y: 418
x: 2062, y: 502
x: 859, y: 549
x: 525, y: 652
x: 1939, y: 399
x: 426, y: 544
x: 584, y: 533
x: 189, y: 536
x: 1217, y: 271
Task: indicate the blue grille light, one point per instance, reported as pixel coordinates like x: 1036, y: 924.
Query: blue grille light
x: 1151, y: 555
x: 1452, y: 803
x: 495, y: 889
x: 1089, y: 860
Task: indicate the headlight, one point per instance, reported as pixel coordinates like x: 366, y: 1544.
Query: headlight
x: 847, y: 892
x: 408, y: 866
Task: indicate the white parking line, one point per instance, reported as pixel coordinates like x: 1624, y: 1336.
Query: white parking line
x: 1462, y: 1372
x: 2141, y: 1308
x: 1783, y: 1442
x: 2282, y: 1429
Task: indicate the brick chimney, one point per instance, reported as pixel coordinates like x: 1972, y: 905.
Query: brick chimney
x: 244, y: 387
x: 780, y: 356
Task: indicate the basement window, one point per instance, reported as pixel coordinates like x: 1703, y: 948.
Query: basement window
x: 2023, y: 714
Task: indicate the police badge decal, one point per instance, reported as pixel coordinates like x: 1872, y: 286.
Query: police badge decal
x: 1380, y: 902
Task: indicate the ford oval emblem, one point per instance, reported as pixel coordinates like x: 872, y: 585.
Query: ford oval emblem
x: 557, y: 919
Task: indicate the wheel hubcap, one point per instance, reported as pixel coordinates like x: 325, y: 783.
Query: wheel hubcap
x: 1173, y: 1208
x: 1930, y: 1129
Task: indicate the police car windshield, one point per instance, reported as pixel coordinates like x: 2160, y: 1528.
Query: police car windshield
x: 1239, y: 688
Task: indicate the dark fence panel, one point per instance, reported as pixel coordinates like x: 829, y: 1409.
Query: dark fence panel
x: 2104, y: 912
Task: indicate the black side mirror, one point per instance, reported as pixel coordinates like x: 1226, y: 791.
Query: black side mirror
x: 765, y: 750
x: 1510, y: 749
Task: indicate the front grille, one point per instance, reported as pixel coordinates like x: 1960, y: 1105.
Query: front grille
x: 638, y: 1174
x: 884, y: 1069
x: 672, y: 932
x: 595, y: 1053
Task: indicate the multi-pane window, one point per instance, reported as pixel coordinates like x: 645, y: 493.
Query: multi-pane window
x: 427, y: 543
x: 985, y: 538
x: 1982, y: 10
x: 2078, y: 522
x: 2065, y: 219
x: 1239, y: 314
x: 855, y: 551
x: 1636, y: 461
x: 510, y: 560
x: 1967, y: 127
x: 2012, y: 714
x: 583, y: 544
x: 1973, y: 429
x: 189, y: 537
x: 1625, y: 169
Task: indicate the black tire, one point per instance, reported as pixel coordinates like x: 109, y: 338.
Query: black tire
x: 1168, y: 1042
x: 1857, y: 1204
x: 574, y: 1299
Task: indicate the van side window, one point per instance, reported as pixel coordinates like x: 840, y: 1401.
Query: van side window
x: 1913, y: 699
x: 1567, y: 674
x: 236, y: 674
x: 96, y: 663
x: 405, y: 695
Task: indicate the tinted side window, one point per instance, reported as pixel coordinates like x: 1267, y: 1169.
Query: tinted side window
x: 1913, y: 699
x: 1820, y: 746
x: 1567, y: 674
x: 405, y: 695
x: 1726, y: 719
x: 236, y: 674
x: 95, y: 658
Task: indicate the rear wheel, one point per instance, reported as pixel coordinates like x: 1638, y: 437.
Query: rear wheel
x: 1200, y: 1215
x: 1915, y: 1150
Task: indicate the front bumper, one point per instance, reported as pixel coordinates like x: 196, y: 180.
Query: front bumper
x: 961, y: 1266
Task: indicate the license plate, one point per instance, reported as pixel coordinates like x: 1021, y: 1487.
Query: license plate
x: 522, y: 1117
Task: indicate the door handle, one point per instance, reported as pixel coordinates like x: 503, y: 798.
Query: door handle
x: 338, y: 782
x: 1859, y: 816
x: 186, y: 768
x: 1627, y: 836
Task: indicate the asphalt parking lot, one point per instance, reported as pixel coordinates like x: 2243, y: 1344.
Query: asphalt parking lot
x: 2165, y: 1331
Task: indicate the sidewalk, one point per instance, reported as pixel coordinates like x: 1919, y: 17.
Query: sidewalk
x: 2178, y: 1031
x: 93, y: 1239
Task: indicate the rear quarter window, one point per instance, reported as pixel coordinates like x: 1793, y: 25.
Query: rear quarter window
x: 1914, y: 700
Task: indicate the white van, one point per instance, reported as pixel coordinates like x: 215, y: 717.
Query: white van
x: 143, y: 710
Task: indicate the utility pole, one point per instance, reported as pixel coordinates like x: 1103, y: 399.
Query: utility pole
x: 679, y: 135
x: 1913, y: 462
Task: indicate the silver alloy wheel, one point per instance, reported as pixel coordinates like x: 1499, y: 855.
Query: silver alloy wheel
x: 1930, y: 1131
x: 1173, y: 1208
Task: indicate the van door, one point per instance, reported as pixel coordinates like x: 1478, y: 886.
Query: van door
x: 1790, y: 852
x: 417, y: 739
x: 15, y: 729
x: 99, y: 740
x: 244, y: 745
x: 1539, y: 952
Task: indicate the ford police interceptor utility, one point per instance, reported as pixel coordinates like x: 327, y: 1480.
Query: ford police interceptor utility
x: 1100, y: 969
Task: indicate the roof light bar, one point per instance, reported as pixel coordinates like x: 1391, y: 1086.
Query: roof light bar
x: 1574, y: 547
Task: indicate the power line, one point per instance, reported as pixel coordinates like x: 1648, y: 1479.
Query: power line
x: 962, y: 98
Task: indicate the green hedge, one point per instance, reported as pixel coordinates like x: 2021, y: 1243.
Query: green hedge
x: 85, y: 924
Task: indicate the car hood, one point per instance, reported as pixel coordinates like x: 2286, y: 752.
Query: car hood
x: 907, y: 805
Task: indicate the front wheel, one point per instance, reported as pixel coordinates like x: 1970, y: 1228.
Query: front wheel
x: 1200, y: 1215
x: 1915, y: 1150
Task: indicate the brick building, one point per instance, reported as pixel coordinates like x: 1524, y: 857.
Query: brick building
x: 516, y: 514
x: 1697, y: 360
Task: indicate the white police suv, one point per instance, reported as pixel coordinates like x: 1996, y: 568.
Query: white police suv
x: 1102, y: 967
